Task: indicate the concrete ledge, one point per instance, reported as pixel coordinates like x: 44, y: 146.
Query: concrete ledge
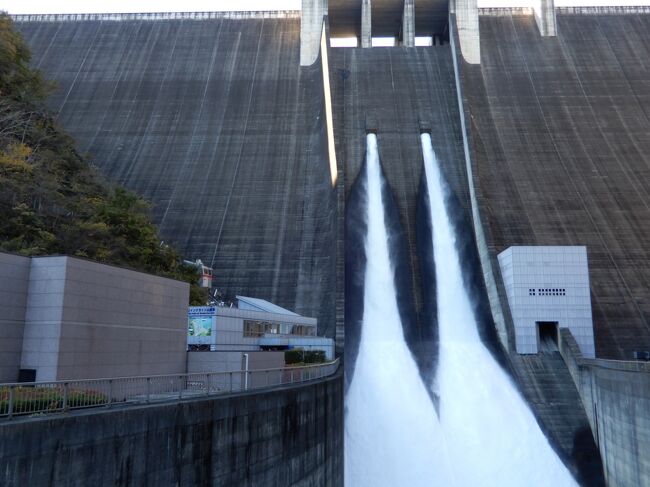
x: 117, y: 17
x: 605, y: 10
x: 505, y: 11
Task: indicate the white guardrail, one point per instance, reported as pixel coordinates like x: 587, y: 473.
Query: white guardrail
x: 38, y: 398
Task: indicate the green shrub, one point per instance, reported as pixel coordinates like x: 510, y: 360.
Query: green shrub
x: 293, y: 356
x: 35, y: 399
x: 315, y: 357
x: 300, y: 356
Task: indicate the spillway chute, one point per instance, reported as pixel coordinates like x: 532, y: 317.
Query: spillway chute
x: 492, y: 436
x: 392, y: 434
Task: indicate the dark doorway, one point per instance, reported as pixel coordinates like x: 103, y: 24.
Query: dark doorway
x: 547, y: 336
x: 27, y: 375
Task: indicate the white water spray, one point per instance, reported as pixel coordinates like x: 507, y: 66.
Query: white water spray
x: 491, y: 434
x: 392, y: 436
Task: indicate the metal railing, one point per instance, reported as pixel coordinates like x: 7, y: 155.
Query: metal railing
x: 37, y: 398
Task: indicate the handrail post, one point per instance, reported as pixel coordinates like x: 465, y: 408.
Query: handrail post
x: 148, y: 389
x: 231, y: 381
x: 180, y: 387
x: 267, y: 378
x: 207, y: 384
x: 10, y: 409
x: 65, y: 396
x: 110, y: 392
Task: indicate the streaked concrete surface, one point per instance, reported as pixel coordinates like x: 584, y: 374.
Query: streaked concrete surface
x: 216, y: 124
x: 561, y: 154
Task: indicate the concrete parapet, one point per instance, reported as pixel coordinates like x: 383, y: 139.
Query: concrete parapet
x: 285, y: 436
x: 408, y: 24
x: 157, y: 16
x: 311, y: 26
x: 616, y: 398
x: 366, y: 24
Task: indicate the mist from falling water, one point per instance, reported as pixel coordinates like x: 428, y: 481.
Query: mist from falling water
x: 491, y: 434
x: 392, y: 435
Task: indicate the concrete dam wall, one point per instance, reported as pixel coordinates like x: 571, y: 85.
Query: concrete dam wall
x: 214, y: 122
x: 559, y: 141
x: 288, y: 436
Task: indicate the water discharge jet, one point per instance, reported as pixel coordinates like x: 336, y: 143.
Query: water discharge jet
x: 392, y: 434
x: 491, y: 434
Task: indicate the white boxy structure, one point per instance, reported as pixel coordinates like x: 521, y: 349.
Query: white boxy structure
x: 547, y: 289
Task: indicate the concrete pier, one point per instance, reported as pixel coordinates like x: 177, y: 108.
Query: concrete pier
x: 311, y: 27
x: 467, y: 25
x: 545, y: 18
x: 408, y: 24
x: 366, y: 24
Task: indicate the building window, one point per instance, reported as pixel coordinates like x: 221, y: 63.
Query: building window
x: 255, y: 328
x: 531, y: 292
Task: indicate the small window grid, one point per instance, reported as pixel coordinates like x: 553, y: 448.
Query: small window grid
x: 549, y: 291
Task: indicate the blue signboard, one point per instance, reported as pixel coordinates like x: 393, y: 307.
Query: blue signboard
x: 201, y: 321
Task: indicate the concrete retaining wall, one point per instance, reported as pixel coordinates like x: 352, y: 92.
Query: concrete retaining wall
x: 284, y: 437
x: 616, y: 396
